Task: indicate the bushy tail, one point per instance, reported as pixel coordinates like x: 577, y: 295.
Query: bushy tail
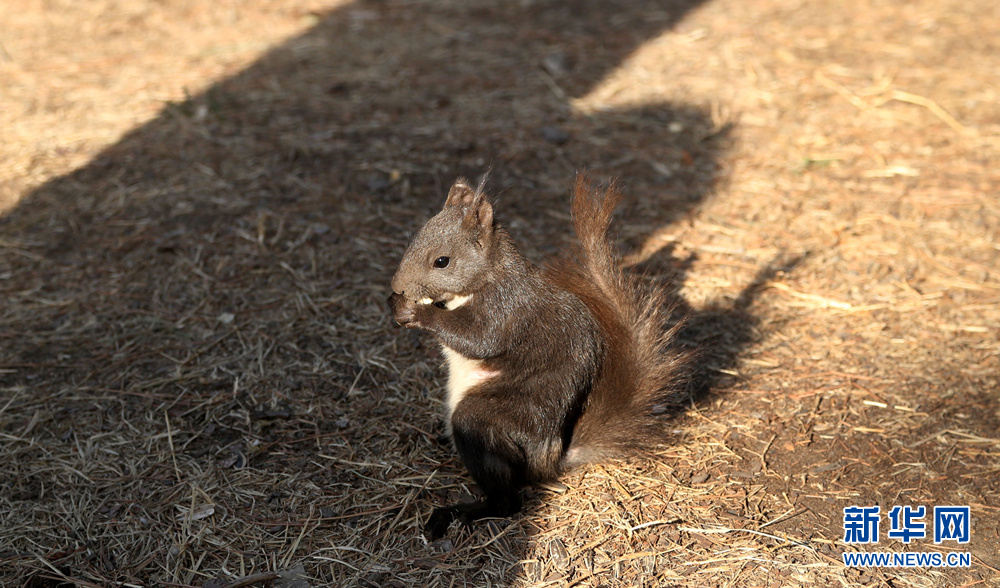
x: 641, y: 371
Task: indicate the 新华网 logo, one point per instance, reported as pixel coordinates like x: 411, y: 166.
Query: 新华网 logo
x: 906, y: 524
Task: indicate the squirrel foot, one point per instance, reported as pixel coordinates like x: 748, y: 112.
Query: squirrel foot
x: 442, y: 517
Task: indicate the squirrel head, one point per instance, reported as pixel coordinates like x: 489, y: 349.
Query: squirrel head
x: 449, y: 258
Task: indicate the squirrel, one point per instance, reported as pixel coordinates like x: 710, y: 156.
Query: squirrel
x: 549, y: 367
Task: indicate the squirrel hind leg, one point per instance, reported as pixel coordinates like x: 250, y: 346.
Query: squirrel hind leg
x: 495, y: 463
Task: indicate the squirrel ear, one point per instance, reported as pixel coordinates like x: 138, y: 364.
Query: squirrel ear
x: 461, y: 194
x: 483, y: 215
x: 477, y: 212
x: 477, y: 219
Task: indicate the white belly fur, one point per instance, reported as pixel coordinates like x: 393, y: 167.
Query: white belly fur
x: 463, y: 374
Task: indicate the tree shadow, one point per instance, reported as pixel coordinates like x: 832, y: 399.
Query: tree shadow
x: 720, y: 331
x: 244, y: 239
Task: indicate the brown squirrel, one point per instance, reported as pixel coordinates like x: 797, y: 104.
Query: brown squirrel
x: 549, y: 368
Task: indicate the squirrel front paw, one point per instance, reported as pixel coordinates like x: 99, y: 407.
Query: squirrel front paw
x: 404, y: 311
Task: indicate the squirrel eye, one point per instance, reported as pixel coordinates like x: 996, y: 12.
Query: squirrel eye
x: 441, y: 262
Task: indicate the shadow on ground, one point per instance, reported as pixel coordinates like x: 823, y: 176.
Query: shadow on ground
x: 194, y: 320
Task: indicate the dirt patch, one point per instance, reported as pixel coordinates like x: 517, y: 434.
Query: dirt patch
x: 199, y: 380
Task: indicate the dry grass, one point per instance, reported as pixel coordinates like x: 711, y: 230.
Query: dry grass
x: 199, y: 381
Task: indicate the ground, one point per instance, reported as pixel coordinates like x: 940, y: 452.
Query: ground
x: 203, y: 204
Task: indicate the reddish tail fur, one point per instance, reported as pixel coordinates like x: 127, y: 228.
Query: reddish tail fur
x: 639, y: 371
